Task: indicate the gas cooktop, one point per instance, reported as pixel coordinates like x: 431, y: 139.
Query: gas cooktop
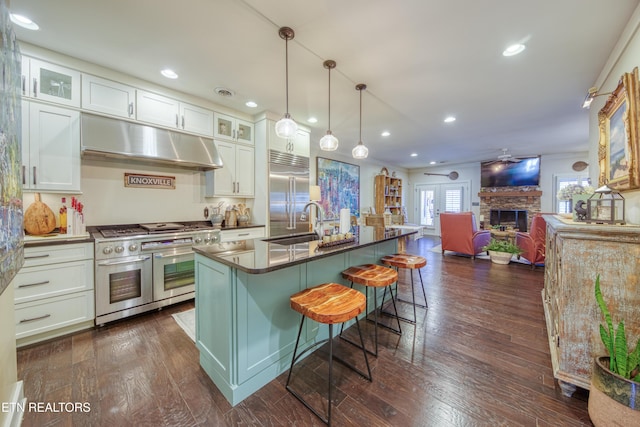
x: 128, y: 230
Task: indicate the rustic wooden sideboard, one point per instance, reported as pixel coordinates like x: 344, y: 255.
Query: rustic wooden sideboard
x: 575, y: 254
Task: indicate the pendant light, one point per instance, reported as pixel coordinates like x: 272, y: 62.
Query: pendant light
x: 360, y: 151
x: 286, y: 127
x: 329, y: 142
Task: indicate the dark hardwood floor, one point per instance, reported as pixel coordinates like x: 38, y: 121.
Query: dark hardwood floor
x: 477, y: 357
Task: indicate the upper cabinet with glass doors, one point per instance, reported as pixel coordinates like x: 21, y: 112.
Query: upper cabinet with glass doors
x: 49, y: 82
x: 233, y: 129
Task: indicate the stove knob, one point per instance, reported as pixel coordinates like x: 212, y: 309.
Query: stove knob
x: 133, y: 247
x: 207, y: 240
x: 107, y: 250
x: 119, y: 249
x: 198, y: 240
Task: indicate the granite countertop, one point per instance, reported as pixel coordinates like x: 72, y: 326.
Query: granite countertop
x: 269, y: 256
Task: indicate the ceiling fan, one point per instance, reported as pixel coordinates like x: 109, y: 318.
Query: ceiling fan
x: 506, y: 157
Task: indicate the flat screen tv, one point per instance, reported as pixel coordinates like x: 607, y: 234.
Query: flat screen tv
x: 510, y: 174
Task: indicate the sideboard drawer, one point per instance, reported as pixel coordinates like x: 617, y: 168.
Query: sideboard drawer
x: 46, y: 315
x: 42, y: 255
x: 46, y: 281
x: 241, y: 234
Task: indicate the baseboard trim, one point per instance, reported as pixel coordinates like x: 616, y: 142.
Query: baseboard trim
x: 18, y: 403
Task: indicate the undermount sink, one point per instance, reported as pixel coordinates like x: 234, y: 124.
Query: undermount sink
x: 292, y: 240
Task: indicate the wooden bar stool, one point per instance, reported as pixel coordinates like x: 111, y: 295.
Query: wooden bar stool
x: 329, y: 303
x: 410, y: 262
x: 375, y: 276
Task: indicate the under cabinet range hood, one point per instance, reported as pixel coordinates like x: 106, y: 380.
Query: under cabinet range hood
x: 106, y: 137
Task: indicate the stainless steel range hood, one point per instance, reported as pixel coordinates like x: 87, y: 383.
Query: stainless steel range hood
x: 103, y: 136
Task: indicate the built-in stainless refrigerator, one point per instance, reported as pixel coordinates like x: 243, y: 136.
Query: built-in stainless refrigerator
x: 288, y: 193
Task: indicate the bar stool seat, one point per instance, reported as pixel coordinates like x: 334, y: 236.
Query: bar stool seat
x: 410, y: 262
x: 375, y: 276
x: 329, y: 303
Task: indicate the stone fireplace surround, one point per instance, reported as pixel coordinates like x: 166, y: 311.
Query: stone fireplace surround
x: 509, y: 199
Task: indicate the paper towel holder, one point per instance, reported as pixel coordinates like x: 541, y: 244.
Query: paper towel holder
x: 314, y: 193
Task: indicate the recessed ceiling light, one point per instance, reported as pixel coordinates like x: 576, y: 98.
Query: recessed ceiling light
x: 168, y: 73
x: 312, y: 120
x: 449, y: 119
x: 385, y: 133
x: 23, y: 21
x: 251, y: 104
x: 414, y: 154
x: 514, y: 49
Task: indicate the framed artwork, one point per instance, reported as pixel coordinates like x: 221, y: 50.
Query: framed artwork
x: 11, y: 212
x: 618, y: 146
x: 339, y: 187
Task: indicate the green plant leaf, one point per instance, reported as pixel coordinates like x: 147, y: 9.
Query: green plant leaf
x: 621, y: 350
x: 608, y: 343
x: 632, y: 361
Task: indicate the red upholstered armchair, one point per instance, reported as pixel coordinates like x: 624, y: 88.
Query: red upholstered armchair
x: 533, y: 242
x: 459, y: 233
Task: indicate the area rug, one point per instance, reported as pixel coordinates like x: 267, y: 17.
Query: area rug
x: 187, y: 321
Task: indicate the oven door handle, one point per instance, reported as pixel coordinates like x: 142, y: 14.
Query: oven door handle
x: 144, y: 258
x: 160, y: 256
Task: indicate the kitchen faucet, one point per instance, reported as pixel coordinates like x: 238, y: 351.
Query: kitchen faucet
x: 317, y: 226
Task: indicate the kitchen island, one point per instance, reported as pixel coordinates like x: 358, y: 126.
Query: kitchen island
x: 245, y: 329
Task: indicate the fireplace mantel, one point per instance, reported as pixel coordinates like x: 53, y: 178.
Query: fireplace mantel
x: 491, y: 194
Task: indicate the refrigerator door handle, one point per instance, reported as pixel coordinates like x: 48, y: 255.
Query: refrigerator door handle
x: 294, y: 199
x: 290, y: 204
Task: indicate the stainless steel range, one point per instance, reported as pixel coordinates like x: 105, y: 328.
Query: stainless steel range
x: 141, y: 267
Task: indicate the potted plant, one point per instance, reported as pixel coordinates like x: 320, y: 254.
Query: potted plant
x: 575, y: 194
x: 501, y: 251
x: 616, y: 377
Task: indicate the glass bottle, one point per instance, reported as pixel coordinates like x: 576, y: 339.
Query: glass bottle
x: 63, y: 216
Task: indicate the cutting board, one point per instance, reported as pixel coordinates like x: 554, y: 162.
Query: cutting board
x: 39, y: 219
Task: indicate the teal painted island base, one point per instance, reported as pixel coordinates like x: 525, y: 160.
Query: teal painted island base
x: 245, y: 328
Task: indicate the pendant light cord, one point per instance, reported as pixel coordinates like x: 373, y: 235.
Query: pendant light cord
x: 360, y: 141
x: 329, y: 99
x: 286, y: 71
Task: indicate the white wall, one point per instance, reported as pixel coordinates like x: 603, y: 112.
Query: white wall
x: 624, y: 58
x: 550, y: 165
x: 108, y: 201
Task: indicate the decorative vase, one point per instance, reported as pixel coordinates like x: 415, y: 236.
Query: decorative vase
x: 500, y: 257
x: 216, y: 220
x: 613, y: 400
x: 243, y: 220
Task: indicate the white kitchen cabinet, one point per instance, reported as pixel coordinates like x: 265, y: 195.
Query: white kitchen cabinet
x: 196, y: 119
x: 171, y: 113
x: 50, y: 148
x: 54, y: 291
x: 242, y: 234
x: 236, y: 177
x: 300, y: 146
x: 49, y: 82
x: 108, y: 97
x: 233, y: 129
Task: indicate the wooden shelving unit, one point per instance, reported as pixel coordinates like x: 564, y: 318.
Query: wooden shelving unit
x: 388, y: 194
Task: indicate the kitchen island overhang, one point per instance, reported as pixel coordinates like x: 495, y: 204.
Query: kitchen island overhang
x: 245, y: 329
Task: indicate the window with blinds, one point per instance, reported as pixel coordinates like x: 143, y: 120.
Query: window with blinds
x: 453, y: 200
